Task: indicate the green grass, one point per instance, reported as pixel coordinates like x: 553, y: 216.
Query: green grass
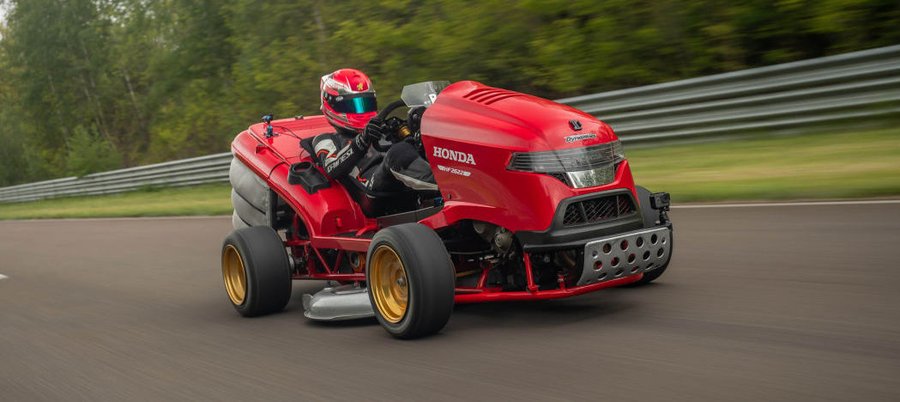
x: 213, y: 199
x: 820, y: 166
x: 840, y: 165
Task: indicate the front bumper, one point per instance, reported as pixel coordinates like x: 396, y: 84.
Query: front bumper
x: 625, y: 254
x: 651, y: 248
x: 561, y: 236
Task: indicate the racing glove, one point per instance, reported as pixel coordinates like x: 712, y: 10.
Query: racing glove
x: 375, y: 130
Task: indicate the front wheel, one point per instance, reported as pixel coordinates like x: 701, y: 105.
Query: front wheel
x: 411, y: 280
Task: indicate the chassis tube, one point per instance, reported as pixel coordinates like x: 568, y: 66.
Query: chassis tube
x: 330, y: 277
x: 543, y: 294
x: 529, y: 275
x: 341, y: 243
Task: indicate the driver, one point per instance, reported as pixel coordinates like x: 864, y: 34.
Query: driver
x: 348, y: 103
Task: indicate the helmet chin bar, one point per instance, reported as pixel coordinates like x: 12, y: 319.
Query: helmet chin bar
x: 348, y: 122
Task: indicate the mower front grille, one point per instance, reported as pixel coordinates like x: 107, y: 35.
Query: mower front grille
x: 598, y: 210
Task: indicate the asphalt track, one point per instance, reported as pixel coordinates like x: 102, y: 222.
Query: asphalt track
x: 761, y: 303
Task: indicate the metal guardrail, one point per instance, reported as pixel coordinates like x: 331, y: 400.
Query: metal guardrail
x: 852, y: 86
x: 185, y: 172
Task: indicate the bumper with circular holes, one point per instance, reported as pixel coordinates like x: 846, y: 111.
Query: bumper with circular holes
x: 625, y: 254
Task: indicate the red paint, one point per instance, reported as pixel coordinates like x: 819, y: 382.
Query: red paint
x: 529, y: 274
x: 543, y: 294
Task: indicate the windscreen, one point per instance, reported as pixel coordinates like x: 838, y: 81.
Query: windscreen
x: 423, y: 93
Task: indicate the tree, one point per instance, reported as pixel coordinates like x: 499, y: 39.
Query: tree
x: 89, y: 152
x: 144, y: 81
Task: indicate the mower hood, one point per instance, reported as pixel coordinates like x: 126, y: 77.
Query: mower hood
x: 472, y: 112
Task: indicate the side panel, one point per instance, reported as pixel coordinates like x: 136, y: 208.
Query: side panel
x: 327, y: 212
x: 288, y: 133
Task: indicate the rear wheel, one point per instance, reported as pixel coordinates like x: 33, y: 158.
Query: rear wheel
x: 256, y: 271
x: 651, y: 219
x: 411, y: 280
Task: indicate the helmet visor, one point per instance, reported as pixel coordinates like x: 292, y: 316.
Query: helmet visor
x: 354, y: 104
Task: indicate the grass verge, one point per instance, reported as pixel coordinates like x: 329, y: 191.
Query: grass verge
x: 212, y: 199
x: 819, y: 166
x: 839, y: 165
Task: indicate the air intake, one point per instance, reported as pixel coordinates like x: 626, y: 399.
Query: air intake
x: 598, y: 210
x: 489, y: 95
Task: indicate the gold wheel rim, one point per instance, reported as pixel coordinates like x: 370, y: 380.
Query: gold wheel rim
x: 234, y: 274
x: 389, y: 284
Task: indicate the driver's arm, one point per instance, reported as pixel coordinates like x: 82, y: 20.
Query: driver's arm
x: 338, y: 163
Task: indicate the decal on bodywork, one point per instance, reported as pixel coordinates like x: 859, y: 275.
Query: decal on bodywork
x: 579, y: 137
x: 460, y: 172
x: 456, y: 156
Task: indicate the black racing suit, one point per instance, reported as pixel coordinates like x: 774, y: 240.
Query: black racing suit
x: 344, y: 153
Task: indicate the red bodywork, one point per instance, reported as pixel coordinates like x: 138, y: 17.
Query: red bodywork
x: 468, y: 117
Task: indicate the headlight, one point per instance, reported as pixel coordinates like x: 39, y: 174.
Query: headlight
x: 582, y: 167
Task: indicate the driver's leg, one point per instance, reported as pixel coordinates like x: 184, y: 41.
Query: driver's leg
x: 403, y: 167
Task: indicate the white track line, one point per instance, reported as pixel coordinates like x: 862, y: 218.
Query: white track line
x: 2, y: 277
x: 787, y: 204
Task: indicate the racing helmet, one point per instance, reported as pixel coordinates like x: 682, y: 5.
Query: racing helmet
x: 348, y: 99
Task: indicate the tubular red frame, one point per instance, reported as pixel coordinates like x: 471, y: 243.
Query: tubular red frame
x: 479, y: 294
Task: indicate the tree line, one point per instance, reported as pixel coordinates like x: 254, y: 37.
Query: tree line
x: 91, y: 85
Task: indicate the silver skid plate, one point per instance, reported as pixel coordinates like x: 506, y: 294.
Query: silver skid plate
x: 625, y: 254
x: 347, y: 302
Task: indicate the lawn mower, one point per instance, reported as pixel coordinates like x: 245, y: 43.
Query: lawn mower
x: 535, y: 201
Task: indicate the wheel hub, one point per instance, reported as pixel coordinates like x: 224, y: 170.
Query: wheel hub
x: 234, y: 274
x: 388, y: 284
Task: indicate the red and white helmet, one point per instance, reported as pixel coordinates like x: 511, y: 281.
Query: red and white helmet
x: 348, y: 99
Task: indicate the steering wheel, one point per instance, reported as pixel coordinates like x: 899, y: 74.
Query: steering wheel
x: 382, y: 115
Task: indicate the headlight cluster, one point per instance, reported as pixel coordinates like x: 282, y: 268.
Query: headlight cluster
x: 581, y: 167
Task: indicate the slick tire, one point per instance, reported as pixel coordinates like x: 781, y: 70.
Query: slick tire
x: 249, y: 196
x: 651, y: 219
x: 256, y: 271
x: 247, y: 212
x: 411, y: 280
